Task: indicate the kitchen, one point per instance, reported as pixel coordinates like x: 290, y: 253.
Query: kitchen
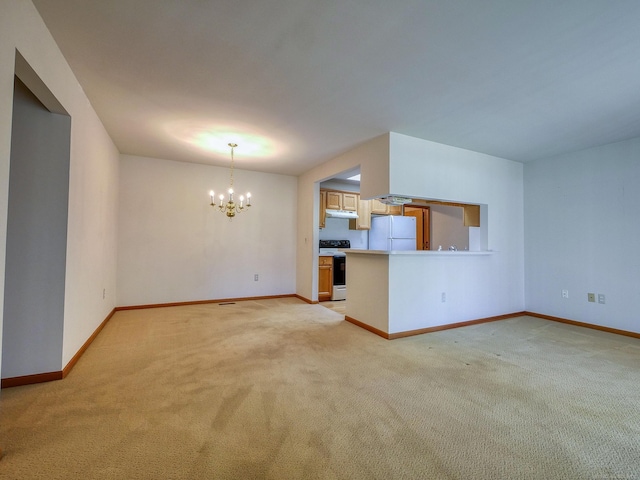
x: 348, y: 223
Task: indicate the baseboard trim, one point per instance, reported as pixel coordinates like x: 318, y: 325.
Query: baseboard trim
x: 204, y: 302
x: 367, y: 327
x: 304, y: 299
x: 79, y: 353
x: 59, y: 375
x: 583, y: 324
x: 411, y: 333
x: 438, y: 328
x: 31, y: 379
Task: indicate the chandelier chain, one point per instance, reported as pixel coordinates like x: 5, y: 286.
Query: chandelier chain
x: 232, y: 145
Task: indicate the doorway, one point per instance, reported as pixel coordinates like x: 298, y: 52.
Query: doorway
x: 423, y: 225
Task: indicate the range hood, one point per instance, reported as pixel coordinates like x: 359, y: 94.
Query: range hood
x: 340, y: 214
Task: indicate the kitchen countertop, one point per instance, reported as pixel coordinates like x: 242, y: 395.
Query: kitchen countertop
x: 418, y: 252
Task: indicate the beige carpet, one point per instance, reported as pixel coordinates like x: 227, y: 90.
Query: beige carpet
x: 284, y: 390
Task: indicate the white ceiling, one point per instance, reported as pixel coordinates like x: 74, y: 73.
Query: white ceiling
x: 310, y: 79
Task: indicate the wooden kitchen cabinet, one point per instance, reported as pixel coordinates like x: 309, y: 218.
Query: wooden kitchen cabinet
x: 379, y: 208
x: 363, y: 222
x: 323, y: 214
x: 350, y: 201
x: 471, y: 215
x: 333, y: 200
x: 336, y: 200
x: 325, y: 278
x: 394, y: 209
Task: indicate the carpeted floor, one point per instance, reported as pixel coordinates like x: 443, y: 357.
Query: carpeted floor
x: 284, y: 390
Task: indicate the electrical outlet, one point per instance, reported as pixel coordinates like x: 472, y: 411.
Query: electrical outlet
x: 256, y: 277
x: 601, y: 298
x: 443, y: 297
x: 591, y: 297
x: 565, y: 293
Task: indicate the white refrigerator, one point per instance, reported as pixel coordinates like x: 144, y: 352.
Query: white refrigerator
x: 392, y: 232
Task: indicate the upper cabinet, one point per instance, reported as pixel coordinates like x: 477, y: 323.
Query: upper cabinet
x: 379, y: 208
x: 363, y: 222
x: 471, y: 215
x: 341, y: 200
x: 336, y: 200
x: 348, y: 201
x: 351, y: 202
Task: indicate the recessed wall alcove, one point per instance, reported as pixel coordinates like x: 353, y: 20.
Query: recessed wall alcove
x: 36, y: 229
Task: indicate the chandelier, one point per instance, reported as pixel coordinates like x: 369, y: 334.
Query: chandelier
x: 230, y: 207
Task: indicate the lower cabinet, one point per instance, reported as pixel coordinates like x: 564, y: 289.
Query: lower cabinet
x: 325, y: 278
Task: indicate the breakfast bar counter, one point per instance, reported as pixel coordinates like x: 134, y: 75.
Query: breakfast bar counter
x: 401, y: 293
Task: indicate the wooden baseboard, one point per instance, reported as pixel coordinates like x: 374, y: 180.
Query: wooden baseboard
x: 31, y: 379
x: 467, y: 323
x: 366, y: 327
x: 76, y: 357
x: 583, y: 324
x: 410, y: 333
x: 304, y: 299
x: 204, y: 302
x: 52, y: 376
x: 59, y: 375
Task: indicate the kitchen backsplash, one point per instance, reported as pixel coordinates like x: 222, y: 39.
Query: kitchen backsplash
x: 338, y: 229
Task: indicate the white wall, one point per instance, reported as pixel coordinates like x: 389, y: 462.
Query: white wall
x: 373, y: 159
x: 174, y: 247
x: 424, y: 169
x: 582, y: 231
x: 467, y: 281
x: 418, y: 168
x: 91, y: 233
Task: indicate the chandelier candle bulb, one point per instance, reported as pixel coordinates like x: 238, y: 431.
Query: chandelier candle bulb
x: 211, y: 194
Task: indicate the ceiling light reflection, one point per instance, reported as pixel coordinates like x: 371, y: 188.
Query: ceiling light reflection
x: 217, y: 138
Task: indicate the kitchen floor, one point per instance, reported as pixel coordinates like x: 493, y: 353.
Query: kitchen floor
x: 340, y: 306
